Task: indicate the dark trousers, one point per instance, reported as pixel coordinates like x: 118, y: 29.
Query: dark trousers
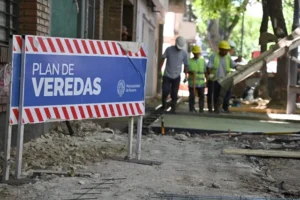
x: 200, y: 92
x: 216, y: 92
x: 170, y: 85
x: 210, y: 95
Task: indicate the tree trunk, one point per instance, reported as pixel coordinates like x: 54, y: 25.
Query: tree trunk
x: 279, y: 96
x: 213, y: 33
x: 263, y: 85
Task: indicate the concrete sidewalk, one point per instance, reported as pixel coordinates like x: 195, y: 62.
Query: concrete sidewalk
x: 203, y: 124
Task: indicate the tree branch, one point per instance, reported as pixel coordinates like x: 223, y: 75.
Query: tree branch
x: 236, y: 18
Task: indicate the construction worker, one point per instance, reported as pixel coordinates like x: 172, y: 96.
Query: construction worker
x: 176, y: 56
x: 219, y: 65
x: 196, y: 79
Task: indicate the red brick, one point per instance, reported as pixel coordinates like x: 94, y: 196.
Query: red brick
x: 34, y: 17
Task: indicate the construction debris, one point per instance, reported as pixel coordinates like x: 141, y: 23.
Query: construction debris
x: 181, y: 137
x: 263, y: 153
x: 58, y: 151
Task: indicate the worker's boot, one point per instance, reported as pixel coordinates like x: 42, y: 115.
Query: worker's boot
x: 217, y: 109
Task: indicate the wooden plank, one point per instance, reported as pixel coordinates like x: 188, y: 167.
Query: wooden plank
x: 263, y: 153
x: 284, y: 45
x: 60, y: 173
x: 142, y: 162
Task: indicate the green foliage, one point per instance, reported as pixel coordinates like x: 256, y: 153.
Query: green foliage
x: 227, y: 10
x: 212, y: 9
x: 288, y: 10
x: 251, y: 35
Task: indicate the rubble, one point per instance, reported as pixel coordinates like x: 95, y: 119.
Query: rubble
x: 58, y: 151
x: 181, y: 137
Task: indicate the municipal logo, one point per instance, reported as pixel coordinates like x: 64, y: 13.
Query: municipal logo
x: 121, y: 87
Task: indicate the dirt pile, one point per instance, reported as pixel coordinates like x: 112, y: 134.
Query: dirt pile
x: 58, y: 151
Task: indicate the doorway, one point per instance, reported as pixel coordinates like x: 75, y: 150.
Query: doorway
x: 151, y: 75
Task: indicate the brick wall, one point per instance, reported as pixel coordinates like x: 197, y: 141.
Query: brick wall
x: 113, y: 11
x: 34, y: 17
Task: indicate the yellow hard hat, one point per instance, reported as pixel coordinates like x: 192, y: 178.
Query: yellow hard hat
x: 224, y: 45
x: 196, y: 49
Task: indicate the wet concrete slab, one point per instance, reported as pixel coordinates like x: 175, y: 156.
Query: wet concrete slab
x: 208, y: 124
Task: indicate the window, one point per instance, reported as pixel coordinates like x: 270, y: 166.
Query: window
x: 8, y: 19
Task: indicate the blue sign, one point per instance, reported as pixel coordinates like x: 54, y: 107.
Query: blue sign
x: 62, y: 79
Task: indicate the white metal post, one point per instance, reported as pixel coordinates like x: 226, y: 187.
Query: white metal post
x: 8, y: 127
x: 130, y: 136
x: 20, y: 124
x: 139, y: 137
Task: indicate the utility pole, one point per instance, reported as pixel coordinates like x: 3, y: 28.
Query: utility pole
x: 242, y: 32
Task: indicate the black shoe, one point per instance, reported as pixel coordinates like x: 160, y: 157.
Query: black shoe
x: 217, y: 111
x: 226, y: 111
x: 193, y: 110
x: 172, y: 111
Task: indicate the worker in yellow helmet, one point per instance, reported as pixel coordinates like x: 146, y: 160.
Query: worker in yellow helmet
x: 219, y: 65
x: 196, y: 79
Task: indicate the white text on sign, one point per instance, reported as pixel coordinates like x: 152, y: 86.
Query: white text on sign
x: 62, y: 86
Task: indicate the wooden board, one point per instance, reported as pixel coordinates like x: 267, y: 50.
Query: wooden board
x: 142, y: 162
x: 60, y: 173
x: 263, y: 153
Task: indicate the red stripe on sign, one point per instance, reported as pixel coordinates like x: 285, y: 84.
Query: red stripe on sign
x: 137, y: 105
x: 130, y: 54
x: 93, y: 47
x: 125, y: 109
x: 11, y: 121
x: 143, y: 52
x: 69, y: 46
x: 39, y: 114
x: 107, y: 48
x: 16, y: 113
x: 26, y: 49
x: 57, y: 115
x: 73, y: 110
x: 81, y: 112
x: 115, y: 48
x: 60, y: 45
x: 19, y: 42
x: 104, y: 111
x: 131, y: 108
x: 97, y: 111
x: 136, y: 54
x: 32, y: 44
x: 85, y: 47
x: 111, y: 108
x: 123, y: 52
x: 47, y: 111
x: 119, y: 109
x: 77, y: 46
x: 29, y: 116
x: 15, y: 49
x: 89, y: 111
x: 51, y: 45
x: 42, y: 44
x: 100, y: 47
x: 65, y: 111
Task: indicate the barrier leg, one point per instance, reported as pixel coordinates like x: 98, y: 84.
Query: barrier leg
x: 6, y: 163
x: 20, y: 138
x: 130, y: 136
x: 139, y: 137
